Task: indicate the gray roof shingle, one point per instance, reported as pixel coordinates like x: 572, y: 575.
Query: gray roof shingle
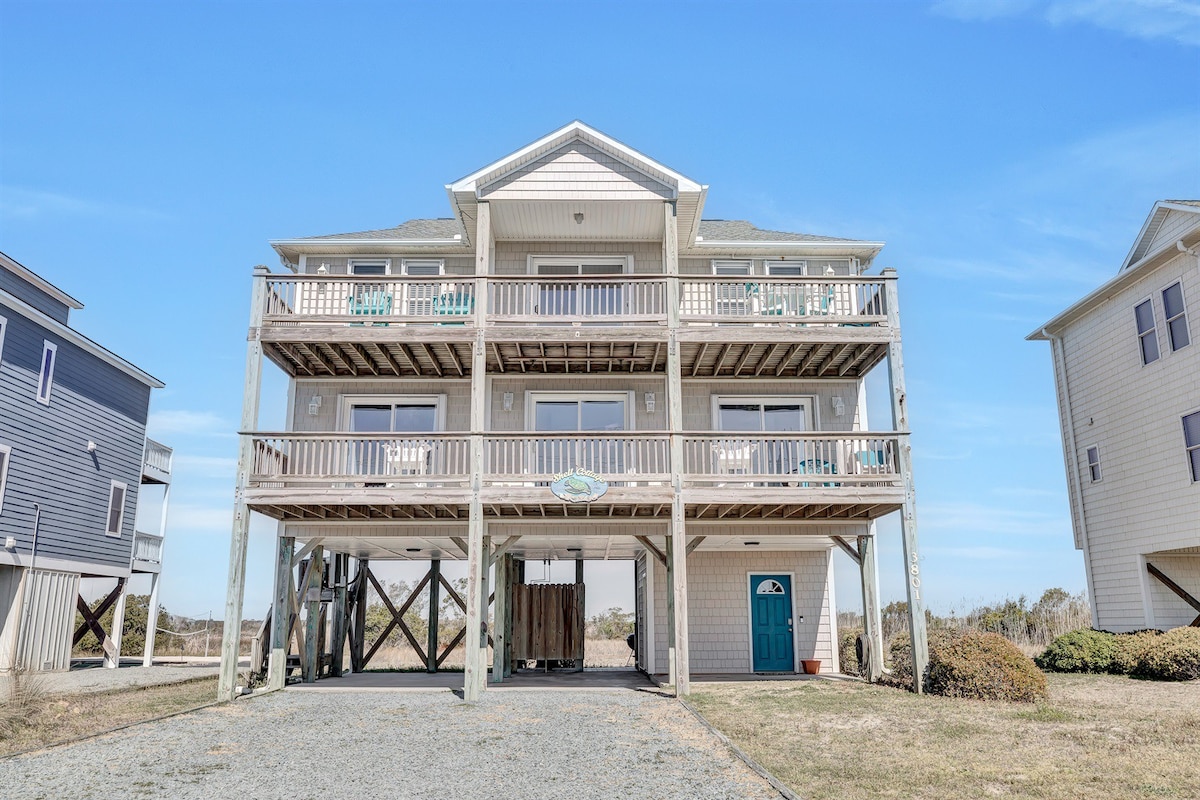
x: 439, y: 228
x: 739, y: 230
x: 721, y: 230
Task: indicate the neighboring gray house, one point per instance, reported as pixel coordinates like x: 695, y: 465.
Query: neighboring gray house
x: 575, y: 366
x: 1127, y: 373
x: 73, y: 454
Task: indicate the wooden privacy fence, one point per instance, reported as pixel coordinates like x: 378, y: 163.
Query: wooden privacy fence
x: 547, y: 622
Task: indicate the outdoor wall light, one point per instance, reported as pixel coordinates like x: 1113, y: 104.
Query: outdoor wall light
x: 649, y: 402
x: 578, y: 217
x: 92, y: 446
x: 839, y: 406
x: 314, y: 405
x: 10, y: 543
x: 507, y: 400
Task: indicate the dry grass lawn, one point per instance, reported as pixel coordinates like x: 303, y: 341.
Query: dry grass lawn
x: 1098, y: 736
x: 60, y: 717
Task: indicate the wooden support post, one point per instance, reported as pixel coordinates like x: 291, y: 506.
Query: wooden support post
x: 112, y: 646
x: 908, y: 514
x: 358, y: 640
x: 239, y: 541
x: 312, y: 611
x: 474, y: 674
x: 485, y: 593
x: 669, y: 564
x: 677, y: 558
x: 872, y: 621
x: 499, y: 618
x: 151, y: 620
x: 337, y: 637
x: 281, y: 613
x: 431, y: 640
x: 514, y: 575
x: 579, y: 581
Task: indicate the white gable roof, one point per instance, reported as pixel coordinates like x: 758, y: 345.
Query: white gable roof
x: 1157, y: 228
x: 660, y: 180
x: 574, y: 132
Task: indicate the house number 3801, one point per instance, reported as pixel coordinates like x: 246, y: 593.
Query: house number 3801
x: 914, y: 576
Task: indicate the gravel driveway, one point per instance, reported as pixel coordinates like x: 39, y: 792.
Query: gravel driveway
x: 526, y: 744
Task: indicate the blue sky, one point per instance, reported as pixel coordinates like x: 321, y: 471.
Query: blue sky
x: 1007, y: 151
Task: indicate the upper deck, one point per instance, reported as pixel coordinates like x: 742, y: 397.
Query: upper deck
x: 336, y: 325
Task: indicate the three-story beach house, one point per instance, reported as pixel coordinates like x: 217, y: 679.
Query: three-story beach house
x: 575, y: 365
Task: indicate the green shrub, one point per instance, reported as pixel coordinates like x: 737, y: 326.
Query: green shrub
x: 1174, y: 656
x: 1130, y: 649
x: 983, y: 666
x: 1084, y: 650
x: 847, y: 652
x: 967, y: 663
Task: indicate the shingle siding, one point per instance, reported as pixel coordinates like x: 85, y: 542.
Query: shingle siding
x: 1146, y: 501
x: 719, y: 603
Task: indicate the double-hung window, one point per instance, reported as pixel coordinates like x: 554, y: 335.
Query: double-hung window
x: 46, y: 373
x: 1176, y: 316
x: 116, y: 508
x: 5, y: 457
x: 1191, y: 442
x: 1147, y: 333
x: 1093, y: 462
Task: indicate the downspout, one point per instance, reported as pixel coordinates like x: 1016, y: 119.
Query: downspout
x: 1070, y: 459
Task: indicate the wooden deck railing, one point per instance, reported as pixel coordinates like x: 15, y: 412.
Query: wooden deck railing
x: 795, y: 301
x: 602, y: 300
x: 791, y: 459
x: 359, y: 459
x: 147, y: 547
x: 157, y: 456
x: 607, y: 300
x: 444, y: 300
x: 626, y: 458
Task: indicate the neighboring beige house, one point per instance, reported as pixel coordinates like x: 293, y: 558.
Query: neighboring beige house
x: 576, y: 365
x: 1127, y: 373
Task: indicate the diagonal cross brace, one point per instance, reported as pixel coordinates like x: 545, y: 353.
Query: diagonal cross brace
x: 91, y: 619
x: 1177, y: 589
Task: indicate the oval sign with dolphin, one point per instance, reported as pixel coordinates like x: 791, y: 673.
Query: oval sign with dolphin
x: 578, y: 486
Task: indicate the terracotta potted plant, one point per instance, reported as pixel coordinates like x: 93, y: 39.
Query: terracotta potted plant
x: 812, y: 666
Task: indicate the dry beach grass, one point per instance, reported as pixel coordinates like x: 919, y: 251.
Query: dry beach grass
x: 1098, y: 736
x: 62, y: 717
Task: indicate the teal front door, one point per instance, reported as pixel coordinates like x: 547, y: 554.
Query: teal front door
x: 771, y: 623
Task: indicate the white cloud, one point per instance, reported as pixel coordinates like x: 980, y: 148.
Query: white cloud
x: 205, y: 466
x: 187, y: 517
x: 968, y: 520
x: 22, y: 203
x: 1178, y: 20
x: 171, y: 422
